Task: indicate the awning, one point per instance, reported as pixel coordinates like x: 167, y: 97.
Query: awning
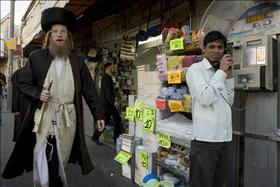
x: 78, y: 7
x: 31, y: 26
x: 31, y: 29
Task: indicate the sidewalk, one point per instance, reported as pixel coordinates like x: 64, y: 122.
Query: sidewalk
x: 106, y: 173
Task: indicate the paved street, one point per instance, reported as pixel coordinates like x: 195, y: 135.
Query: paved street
x: 107, y: 172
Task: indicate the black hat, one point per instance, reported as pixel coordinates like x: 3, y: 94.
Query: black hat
x: 28, y: 49
x: 91, y: 57
x: 56, y: 15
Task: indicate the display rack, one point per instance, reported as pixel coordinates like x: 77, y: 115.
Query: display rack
x: 164, y: 106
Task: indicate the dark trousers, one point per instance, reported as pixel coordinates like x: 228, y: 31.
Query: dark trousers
x: 53, y: 163
x: 208, y: 164
x: 116, y: 120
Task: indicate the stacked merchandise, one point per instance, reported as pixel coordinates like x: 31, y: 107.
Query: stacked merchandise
x: 148, y: 86
x: 174, y: 131
x: 143, y: 163
x: 128, y: 145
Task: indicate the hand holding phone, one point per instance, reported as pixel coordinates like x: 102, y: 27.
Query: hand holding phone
x: 226, y: 63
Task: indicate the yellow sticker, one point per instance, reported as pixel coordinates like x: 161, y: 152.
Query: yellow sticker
x: 164, y: 140
x: 175, y: 77
x: 176, y: 44
x: 122, y: 157
x: 149, y: 118
x: 176, y: 106
x: 144, y: 159
x: 11, y: 43
x: 129, y: 113
x: 138, y: 110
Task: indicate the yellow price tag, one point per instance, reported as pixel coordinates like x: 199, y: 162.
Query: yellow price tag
x: 138, y: 110
x: 149, y: 118
x: 176, y: 44
x: 176, y: 106
x: 175, y: 77
x: 122, y: 157
x: 164, y: 140
x: 129, y: 113
x: 144, y: 159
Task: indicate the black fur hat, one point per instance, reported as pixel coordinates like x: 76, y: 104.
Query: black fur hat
x: 56, y: 15
x: 28, y: 49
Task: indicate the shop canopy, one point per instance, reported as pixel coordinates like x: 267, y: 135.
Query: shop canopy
x: 31, y: 28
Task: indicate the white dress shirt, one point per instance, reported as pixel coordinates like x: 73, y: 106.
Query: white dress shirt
x: 59, y: 65
x: 211, y: 113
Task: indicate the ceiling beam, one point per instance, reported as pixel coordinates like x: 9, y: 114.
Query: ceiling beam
x: 80, y: 5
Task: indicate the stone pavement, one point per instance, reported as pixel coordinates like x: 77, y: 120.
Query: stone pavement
x: 107, y: 172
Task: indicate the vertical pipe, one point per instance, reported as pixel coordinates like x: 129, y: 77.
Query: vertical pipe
x: 10, y: 57
x: 278, y: 107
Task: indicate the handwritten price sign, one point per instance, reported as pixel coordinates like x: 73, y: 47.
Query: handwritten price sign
x: 149, y: 118
x: 144, y: 159
x: 176, y: 106
x: 175, y: 77
x: 176, y: 44
x: 164, y: 140
x: 122, y: 157
x: 138, y: 110
x: 129, y: 113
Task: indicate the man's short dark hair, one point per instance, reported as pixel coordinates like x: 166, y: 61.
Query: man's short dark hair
x: 107, y: 65
x: 214, y: 36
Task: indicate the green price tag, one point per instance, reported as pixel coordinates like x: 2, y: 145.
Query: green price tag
x: 138, y: 110
x: 164, y: 140
x: 122, y: 157
x: 144, y: 159
x: 176, y: 44
x: 149, y: 118
x: 129, y: 113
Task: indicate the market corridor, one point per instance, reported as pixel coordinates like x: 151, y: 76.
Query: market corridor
x: 107, y: 172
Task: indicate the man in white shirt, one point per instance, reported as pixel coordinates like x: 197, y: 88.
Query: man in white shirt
x: 211, y: 86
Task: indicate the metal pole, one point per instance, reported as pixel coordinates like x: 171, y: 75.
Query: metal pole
x: 10, y: 57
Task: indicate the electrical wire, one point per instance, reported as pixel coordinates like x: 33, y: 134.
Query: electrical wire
x: 233, y: 107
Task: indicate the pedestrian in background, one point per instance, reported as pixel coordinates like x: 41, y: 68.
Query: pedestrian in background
x: 107, y: 94
x: 2, y: 86
x: 211, y: 86
x: 19, y: 101
x: 56, y: 110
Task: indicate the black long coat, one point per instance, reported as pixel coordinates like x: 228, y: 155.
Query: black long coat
x: 19, y: 104
x: 31, y: 84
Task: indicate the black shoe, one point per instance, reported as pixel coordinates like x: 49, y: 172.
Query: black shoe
x: 97, y: 142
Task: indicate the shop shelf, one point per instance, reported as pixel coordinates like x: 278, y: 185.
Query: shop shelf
x: 171, y: 169
x: 183, y: 142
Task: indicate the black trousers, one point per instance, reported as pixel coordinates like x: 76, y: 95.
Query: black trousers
x: 53, y: 163
x: 208, y: 164
x: 116, y: 121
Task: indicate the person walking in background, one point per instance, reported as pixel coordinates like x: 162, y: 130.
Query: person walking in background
x: 2, y: 86
x: 54, y: 81
x: 211, y: 86
x: 107, y: 94
x: 19, y: 101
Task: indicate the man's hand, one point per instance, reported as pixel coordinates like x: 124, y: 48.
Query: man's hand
x: 225, y: 65
x: 229, y: 73
x: 100, y: 125
x: 45, y: 95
